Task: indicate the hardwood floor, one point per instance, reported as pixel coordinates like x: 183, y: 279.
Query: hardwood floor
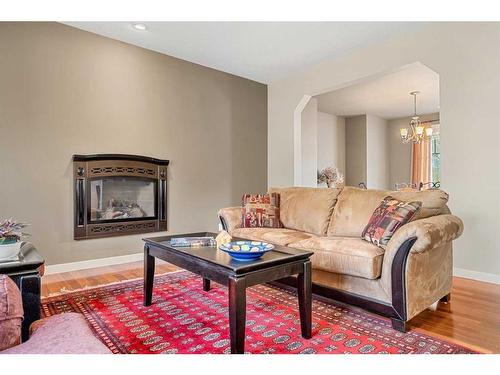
x: 472, y: 317
x: 73, y: 280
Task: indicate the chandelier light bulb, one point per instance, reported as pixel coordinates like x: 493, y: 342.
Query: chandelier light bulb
x: 428, y: 132
x: 403, y: 132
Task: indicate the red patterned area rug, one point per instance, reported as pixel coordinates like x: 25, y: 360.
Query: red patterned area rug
x: 185, y: 319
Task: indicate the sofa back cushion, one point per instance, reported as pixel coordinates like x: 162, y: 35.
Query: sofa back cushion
x: 306, y: 209
x: 433, y: 201
x: 353, y: 211
x: 355, y: 207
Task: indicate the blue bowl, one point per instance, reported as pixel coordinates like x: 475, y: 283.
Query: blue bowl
x: 246, y: 250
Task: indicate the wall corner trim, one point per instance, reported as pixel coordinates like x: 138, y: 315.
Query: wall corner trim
x: 476, y: 275
x: 92, y: 263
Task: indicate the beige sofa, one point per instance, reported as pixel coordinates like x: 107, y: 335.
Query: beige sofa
x: 412, y: 272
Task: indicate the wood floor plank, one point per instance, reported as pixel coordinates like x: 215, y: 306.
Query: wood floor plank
x: 472, y: 317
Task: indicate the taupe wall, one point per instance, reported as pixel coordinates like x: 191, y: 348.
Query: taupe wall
x: 355, y: 150
x: 65, y: 91
x: 377, y: 153
x: 331, y: 141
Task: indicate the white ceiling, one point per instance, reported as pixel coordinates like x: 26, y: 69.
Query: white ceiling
x: 387, y: 96
x: 261, y: 51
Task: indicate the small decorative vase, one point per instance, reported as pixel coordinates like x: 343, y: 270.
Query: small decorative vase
x: 9, y: 249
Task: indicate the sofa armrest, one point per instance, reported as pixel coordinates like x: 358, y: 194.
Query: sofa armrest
x: 67, y: 333
x: 37, y: 324
x: 415, y: 277
x: 230, y: 218
x: 431, y: 232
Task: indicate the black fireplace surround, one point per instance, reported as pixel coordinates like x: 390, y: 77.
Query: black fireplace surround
x: 119, y: 194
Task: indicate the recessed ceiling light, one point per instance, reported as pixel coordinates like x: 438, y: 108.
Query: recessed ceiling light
x: 139, y: 26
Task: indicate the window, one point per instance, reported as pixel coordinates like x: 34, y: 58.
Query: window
x: 435, y: 154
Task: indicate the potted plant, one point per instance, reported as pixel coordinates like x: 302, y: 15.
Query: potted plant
x: 10, y: 238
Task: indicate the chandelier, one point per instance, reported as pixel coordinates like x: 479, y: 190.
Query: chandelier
x: 416, y: 133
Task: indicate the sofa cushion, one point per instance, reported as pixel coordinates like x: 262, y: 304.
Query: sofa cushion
x: 306, y: 209
x: 433, y: 201
x: 280, y: 237
x: 344, y: 255
x: 11, y: 313
x: 66, y: 333
x: 355, y: 207
x: 353, y: 210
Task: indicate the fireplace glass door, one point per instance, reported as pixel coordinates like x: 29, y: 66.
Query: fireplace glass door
x: 113, y: 199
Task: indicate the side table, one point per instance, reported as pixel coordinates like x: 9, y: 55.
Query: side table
x: 26, y: 273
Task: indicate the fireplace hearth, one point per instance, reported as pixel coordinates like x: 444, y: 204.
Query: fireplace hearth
x: 119, y: 194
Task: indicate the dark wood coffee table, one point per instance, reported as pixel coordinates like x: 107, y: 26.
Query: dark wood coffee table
x: 213, y: 264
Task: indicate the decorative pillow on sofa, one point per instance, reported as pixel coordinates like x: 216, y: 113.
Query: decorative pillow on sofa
x: 387, y: 218
x: 261, y: 211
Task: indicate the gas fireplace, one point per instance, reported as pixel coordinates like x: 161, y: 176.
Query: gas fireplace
x: 118, y: 195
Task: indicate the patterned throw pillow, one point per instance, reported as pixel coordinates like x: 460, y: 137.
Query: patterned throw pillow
x: 261, y: 211
x: 387, y: 218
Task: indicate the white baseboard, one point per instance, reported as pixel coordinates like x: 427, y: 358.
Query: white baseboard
x: 475, y: 275
x: 75, y: 266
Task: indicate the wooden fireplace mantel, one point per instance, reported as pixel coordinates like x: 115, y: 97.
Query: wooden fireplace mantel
x: 145, y: 159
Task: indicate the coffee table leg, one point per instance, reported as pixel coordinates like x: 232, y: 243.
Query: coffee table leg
x: 237, y: 314
x: 305, y: 300
x: 206, y: 285
x: 149, y: 274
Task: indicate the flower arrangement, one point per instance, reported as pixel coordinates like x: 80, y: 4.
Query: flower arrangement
x: 11, y: 231
x: 331, y: 176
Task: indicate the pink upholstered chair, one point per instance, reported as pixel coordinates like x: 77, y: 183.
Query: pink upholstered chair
x: 60, y: 334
